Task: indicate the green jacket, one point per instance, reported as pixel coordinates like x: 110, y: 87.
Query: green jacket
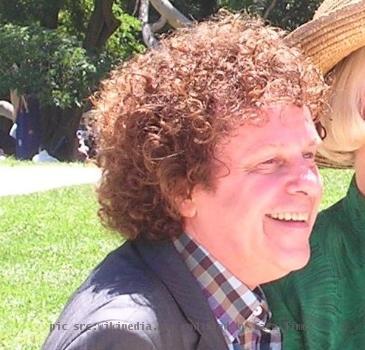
x: 323, y: 305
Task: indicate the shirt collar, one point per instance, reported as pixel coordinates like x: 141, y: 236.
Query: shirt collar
x: 232, y: 302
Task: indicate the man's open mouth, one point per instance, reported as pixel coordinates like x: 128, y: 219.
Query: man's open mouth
x: 289, y: 217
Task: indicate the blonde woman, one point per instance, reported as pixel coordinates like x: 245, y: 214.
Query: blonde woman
x: 345, y: 122
x: 323, y: 306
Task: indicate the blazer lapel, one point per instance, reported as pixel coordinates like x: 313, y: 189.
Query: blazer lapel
x: 166, y: 263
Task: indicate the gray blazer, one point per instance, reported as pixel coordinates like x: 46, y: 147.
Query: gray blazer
x: 142, y: 296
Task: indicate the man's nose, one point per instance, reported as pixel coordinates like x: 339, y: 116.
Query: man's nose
x: 305, y: 179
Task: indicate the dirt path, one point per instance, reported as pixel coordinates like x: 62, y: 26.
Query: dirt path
x: 19, y: 180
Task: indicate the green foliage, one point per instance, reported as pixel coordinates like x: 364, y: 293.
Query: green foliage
x: 18, y: 12
x: 26, y: 12
x: 74, y: 17
x: 47, y: 63
x: 124, y: 42
x: 53, y: 63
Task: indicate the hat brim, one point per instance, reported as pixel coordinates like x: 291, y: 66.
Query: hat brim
x: 332, y: 35
x: 330, y: 38
x: 324, y: 162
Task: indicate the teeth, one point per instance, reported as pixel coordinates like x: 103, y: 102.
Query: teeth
x: 286, y: 216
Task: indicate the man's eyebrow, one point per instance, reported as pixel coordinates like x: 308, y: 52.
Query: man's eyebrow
x: 257, y: 150
x: 314, y: 142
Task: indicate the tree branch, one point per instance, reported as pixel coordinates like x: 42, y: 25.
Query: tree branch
x: 136, y: 6
x: 147, y: 33
x: 269, y: 9
x: 158, y: 25
x: 175, y: 18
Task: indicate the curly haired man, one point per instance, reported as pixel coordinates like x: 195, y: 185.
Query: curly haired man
x: 207, y: 149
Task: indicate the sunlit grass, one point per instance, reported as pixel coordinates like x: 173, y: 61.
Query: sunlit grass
x: 48, y: 244
x: 336, y: 183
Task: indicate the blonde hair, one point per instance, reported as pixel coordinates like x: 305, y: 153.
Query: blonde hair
x: 344, y: 123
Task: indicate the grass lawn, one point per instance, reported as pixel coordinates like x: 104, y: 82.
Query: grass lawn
x: 336, y: 183
x: 48, y: 244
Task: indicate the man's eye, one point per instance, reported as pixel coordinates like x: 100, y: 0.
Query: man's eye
x: 309, y: 155
x: 269, y: 165
x: 270, y: 161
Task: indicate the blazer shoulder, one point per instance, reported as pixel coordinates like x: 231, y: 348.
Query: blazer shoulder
x: 123, y: 293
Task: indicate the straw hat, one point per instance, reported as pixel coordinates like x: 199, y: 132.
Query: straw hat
x: 336, y: 30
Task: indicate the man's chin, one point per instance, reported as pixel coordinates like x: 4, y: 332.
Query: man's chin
x: 294, y: 260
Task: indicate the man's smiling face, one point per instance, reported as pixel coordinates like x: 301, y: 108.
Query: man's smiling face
x: 258, y: 219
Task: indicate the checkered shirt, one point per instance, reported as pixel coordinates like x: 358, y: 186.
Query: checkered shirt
x: 242, y: 314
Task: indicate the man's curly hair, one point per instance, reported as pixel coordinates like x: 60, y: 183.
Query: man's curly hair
x: 163, y: 113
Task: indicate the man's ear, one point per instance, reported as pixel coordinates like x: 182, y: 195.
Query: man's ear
x: 187, y: 207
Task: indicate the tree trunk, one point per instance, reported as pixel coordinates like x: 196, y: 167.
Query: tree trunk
x: 101, y: 26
